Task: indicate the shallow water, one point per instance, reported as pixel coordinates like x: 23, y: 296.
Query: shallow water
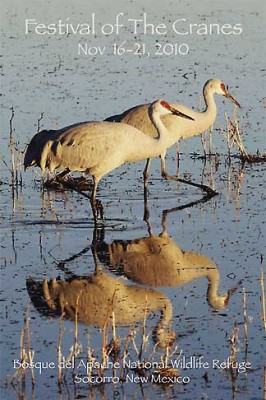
x: 48, y: 234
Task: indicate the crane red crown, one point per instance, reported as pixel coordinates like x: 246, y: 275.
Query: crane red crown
x: 223, y: 87
x: 165, y: 104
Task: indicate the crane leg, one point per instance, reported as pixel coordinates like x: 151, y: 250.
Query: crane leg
x: 96, y: 205
x: 164, y: 173
x: 177, y: 156
x: 146, y: 176
x: 63, y: 173
x: 146, y: 214
x: 93, y: 200
x: 146, y: 173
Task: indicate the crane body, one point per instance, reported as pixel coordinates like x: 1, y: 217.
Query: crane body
x: 97, y: 148
x: 179, y: 128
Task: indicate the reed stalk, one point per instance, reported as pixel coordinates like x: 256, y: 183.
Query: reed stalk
x: 233, y: 341
x: 104, y: 348
x: 39, y: 122
x: 76, y: 351
x: 59, y: 352
x: 144, y: 337
x: 12, y: 146
x: 30, y: 352
x: 90, y: 357
x: 227, y: 135
x: 245, y: 316
x: 234, y: 137
x: 26, y: 355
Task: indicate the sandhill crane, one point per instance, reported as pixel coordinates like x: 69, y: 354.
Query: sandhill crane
x: 180, y: 129
x: 158, y: 261
x: 99, y: 298
x: 97, y: 148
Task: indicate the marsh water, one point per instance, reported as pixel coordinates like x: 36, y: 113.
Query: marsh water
x: 184, y: 286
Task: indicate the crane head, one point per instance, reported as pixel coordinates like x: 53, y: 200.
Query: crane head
x: 228, y: 95
x: 168, y: 109
x: 220, y: 302
x: 217, y: 86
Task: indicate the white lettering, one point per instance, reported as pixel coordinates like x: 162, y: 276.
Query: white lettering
x: 175, y: 27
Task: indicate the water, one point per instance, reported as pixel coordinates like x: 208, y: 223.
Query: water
x: 45, y: 232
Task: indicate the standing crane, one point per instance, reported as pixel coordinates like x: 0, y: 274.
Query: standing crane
x: 97, y: 148
x: 179, y: 129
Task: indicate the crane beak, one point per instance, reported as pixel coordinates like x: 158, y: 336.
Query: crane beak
x: 180, y: 114
x: 228, y: 96
x: 231, y: 291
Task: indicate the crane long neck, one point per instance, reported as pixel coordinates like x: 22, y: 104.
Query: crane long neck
x: 210, y: 104
x: 213, y: 277
x: 159, y: 126
x: 212, y: 296
x: 144, y: 146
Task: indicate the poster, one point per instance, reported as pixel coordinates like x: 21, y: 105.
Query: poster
x: 170, y: 305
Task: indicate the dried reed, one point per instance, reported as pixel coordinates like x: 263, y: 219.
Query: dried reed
x: 144, y: 337
x: 39, y: 122
x: 76, y: 347
x: 90, y: 358
x: 59, y: 352
x: 245, y: 316
x: 12, y: 146
x: 233, y: 341
x: 29, y: 351
x: 26, y: 355
x: 234, y: 137
x: 15, y: 155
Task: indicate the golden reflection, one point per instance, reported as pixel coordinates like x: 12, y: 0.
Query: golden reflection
x: 159, y: 261
x: 100, y: 297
